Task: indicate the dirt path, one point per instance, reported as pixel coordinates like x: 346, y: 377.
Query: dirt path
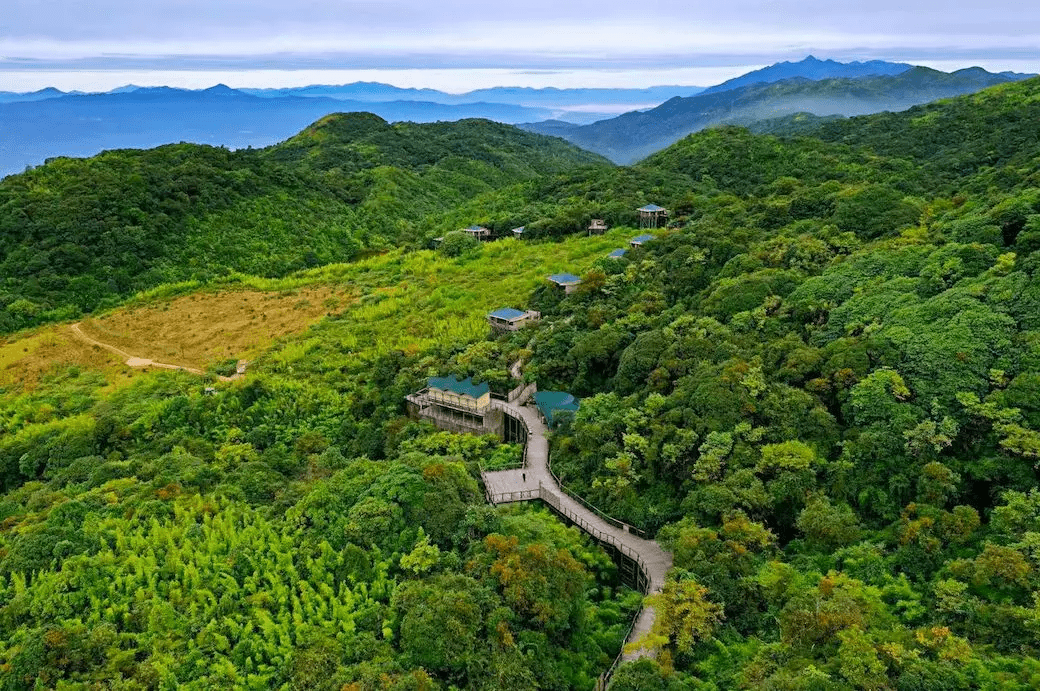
x: 134, y: 361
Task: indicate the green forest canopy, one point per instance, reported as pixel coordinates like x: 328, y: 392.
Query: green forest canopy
x: 820, y: 389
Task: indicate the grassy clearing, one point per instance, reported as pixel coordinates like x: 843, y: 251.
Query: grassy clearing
x: 27, y: 359
x: 397, y: 300
x: 418, y: 300
x: 199, y: 329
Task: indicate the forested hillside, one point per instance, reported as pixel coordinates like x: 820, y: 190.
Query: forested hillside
x: 819, y: 387
x: 79, y: 234
x: 632, y: 136
x: 822, y: 390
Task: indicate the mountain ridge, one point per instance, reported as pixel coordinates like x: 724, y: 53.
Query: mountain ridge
x: 813, y: 68
x: 635, y: 135
x: 347, y: 183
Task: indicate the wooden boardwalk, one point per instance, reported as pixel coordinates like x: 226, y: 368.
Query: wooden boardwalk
x: 535, y: 481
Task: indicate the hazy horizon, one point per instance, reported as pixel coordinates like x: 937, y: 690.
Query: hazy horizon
x: 462, y: 45
x: 450, y: 80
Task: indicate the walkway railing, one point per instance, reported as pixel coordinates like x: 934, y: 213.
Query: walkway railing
x: 633, y: 570
x: 604, y: 679
x: 515, y: 414
x: 609, y: 519
x: 641, y: 578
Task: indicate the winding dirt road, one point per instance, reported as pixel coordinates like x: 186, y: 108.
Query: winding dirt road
x: 134, y: 361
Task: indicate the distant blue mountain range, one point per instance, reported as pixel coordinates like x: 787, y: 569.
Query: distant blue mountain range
x: 814, y: 69
x: 375, y: 92
x: 83, y: 125
x: 47, y: 123
x: 633, y: 136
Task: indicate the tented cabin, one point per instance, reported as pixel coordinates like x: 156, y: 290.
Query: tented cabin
x: 617, y: 254
x: 568, y: 282
x: 652, y: 216
x: 479, y: 232
x: 509, y: 319
x: 554, y: 405
x: 518, y: 233
x: 640, y: 240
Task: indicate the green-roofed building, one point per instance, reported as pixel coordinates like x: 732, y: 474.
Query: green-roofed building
x: 464, y: 394
x: 459, y: 405
x: 553, y: 405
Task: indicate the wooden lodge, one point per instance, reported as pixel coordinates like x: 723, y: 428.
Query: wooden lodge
x: 463, y: 394
x: 479, y: 232
x: 652, y: 216
x: 459, y: 405
x: 598, y: 227
x: 509, y: 319
x: 567, y: 282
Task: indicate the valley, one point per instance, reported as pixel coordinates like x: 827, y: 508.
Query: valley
x: 815, y: 388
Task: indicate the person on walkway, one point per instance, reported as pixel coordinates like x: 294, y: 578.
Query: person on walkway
x: 524, y: 476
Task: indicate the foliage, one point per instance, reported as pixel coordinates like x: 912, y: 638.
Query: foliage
x: 76, y: 235
x: 819, y: 390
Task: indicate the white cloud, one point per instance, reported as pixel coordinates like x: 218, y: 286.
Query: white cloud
x: 560, y: 40
x: 645, y: 37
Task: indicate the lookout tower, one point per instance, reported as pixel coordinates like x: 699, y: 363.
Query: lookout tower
x: 652, y: 216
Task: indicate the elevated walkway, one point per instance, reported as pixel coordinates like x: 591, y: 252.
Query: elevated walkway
x: 643, y: 563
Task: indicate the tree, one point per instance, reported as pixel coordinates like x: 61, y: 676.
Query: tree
x: 457, y: 243
x: 683, y: 616
x: 441, y: 621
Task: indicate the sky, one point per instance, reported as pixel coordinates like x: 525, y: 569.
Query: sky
x: 457, y: 45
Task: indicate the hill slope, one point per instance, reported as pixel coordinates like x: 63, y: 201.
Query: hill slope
x: 47, y: 123
x: 635, y: 135
x: 84, y: 125
x: 819, y: 387
x: 77, y: 234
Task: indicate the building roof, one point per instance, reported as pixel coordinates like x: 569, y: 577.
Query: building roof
x: 476, y: 229
x: 507, y: 313
x: 519, y: 230
x: 553, y: 403
x: 639, y: 239
x: 617, y: 254
x: 652, y: 208
x: 463, y: 387
x: 565, y: 279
